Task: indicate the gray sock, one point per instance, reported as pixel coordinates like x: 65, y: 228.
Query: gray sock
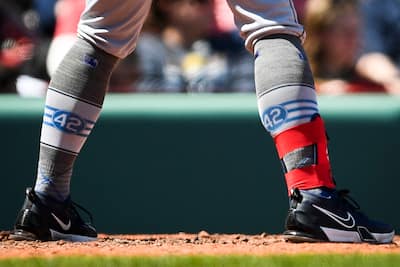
x: 73, y: 104
x: 284, y: 83
x: 280, y: 61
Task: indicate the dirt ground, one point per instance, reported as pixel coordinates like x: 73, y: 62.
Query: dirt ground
x: 201, y: 243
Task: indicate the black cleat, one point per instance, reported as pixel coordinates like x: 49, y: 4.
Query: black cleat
x: 328, y: 215
x: 51, y: 221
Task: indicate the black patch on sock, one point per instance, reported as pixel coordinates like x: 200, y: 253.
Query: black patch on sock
x: 300, y: 158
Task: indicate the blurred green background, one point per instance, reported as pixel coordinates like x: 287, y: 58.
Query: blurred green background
x: 191, y: 162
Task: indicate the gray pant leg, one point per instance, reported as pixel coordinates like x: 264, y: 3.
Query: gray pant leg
x: 258, y: 18
x: 113, y: 25
x: 284, y: 82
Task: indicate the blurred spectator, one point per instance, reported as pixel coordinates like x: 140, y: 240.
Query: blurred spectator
x: 180, y: 51
x: 16, y: 46
x: 44, y: 10
x: 24, y: 46
x: 125, y: 75
x: 333, y: 45
x: 300, y: 8
x: 224, y: 21
x: 38, y: 17
x: 67, y: 13
x: 380, y: 60
x: 67, y: 17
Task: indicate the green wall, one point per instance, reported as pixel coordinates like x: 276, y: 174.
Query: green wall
x: 171, y: 163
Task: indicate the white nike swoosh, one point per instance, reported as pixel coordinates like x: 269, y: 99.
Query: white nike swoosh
x: 348, y: 222
x: 63, y: 226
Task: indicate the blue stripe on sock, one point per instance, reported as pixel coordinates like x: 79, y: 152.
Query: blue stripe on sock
x: 299, y: 117
x: 56, y: 109
x: 302, y: 108
x: 52, y: 125
x: 51, y: 108
x: 299, y: 101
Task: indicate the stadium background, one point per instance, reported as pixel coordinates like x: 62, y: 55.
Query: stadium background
x: 185, y: 163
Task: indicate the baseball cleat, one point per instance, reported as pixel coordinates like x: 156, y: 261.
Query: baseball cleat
x: 328, y: 215
x: 51, y: 221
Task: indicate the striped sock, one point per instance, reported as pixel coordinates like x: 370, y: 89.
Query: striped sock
x: 73, y: 104
x: 67, y: 122
x: 288, y: 109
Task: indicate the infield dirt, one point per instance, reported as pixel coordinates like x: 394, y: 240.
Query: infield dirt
x: 201, y: 243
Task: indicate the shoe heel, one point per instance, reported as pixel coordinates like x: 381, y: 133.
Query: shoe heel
x: 22, y: 235
x: 28, y: 226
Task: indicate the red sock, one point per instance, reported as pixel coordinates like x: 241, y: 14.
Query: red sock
x: 312, y: 175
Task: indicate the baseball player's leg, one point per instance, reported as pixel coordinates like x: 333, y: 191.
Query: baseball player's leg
x: 288, y: 109
x: 107, y: 32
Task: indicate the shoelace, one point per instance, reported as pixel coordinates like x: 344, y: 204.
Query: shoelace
x: 344, y: 194
x: 74, y: 207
